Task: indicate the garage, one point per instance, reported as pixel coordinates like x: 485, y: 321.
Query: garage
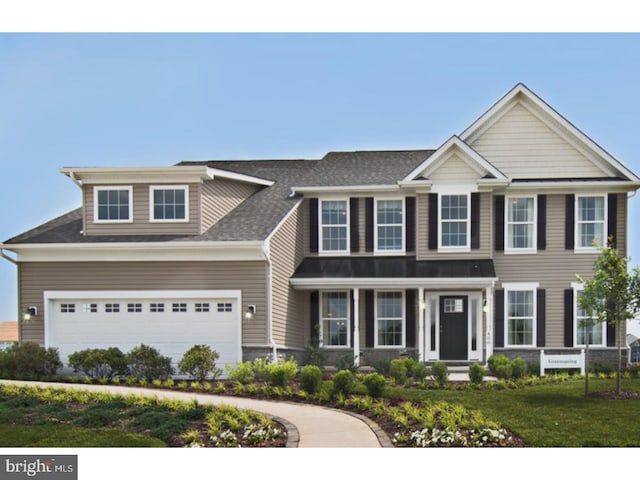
x: 172, y: 322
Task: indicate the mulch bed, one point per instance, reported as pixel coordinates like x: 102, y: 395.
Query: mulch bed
x: 616, y: 396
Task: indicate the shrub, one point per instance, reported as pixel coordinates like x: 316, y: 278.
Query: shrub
x: 146, y: 362
x: 32, y: 360
x: 7, y: 363
x: 375, y: 384
x: 242, y: 373
x: 518, y: 368
x: 310, y: 378
x: 98, y: 363
x: 199, y: 363
x: 419, y: 372
x: 313, y: 353
x: 440, y: 373
x: 280, y: 374
x: 398, y: 370
x: 503, y: 370
x: 343, y: 382
x: 495, y: 363
x: 476, y: 373
x: 382, y: 365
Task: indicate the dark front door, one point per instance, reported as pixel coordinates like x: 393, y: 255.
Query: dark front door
x: 453, y: 327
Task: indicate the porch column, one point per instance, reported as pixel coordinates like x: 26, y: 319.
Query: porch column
x: 422, y: 309
x: 356, y: 327
x: 488, y: 318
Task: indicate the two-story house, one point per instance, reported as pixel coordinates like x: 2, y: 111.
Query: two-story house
x: 448, y: 254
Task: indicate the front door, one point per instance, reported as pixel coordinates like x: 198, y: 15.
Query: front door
x: 453, y: 327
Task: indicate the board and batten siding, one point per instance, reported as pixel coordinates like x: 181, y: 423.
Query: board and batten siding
x: 141, y: 224
x: 287, y: 251
x: 250, y: 277
x: 522, y: 146
x: 220, y: 196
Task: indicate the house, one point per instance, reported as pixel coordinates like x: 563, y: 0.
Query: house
x: 449, y: 254
x: 8, y: 334
x: 634, y: 348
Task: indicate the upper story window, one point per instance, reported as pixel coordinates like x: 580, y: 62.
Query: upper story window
x: 113, y: 204
x: 520, y: 306
x: 334, y: 226
x: 169, y: 204
x: 591, y: 225
x: 389, y: 228
x: 454, y: 221
x: 334, y: 316
x: 521, y: 224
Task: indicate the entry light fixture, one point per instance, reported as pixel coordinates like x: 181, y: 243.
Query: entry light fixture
x: 29, y: 313
x: 251, y: 311
x: 485, y: 307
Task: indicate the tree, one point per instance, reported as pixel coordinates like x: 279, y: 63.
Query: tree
x: 612, y: 295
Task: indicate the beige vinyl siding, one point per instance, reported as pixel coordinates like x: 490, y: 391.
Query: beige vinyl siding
x: 621, y: 224
x: 522, y: 146
x: 453, y: 170
x: 250, y: 277
x: 287, y: 310
x: 220, y: 196
x: 141, y: 224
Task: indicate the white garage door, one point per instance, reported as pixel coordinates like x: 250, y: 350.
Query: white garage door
x: 172, y: 324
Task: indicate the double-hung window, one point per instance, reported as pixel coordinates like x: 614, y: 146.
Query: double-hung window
x: 521, y: 224
x: 169, y: 203
x: 334, y: 226
x: 389, y: 229
x: 520, y: 308
x: 586, y: 327
x: 334, y: 312
x: 389, y: 314
x: 454, y: 221
x: 591, y: 224
x: 113, y: 204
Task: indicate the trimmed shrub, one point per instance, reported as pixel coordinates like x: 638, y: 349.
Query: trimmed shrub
x: 476, y: 373
x: 398, y: 370
x: 147, y: 363
x: 375, y: 383
x: 518, y: 367
x: 419, y: 372
x: 440, y: 373
x: 242, y: 373
x: 310, y: 378
x: 98, y: 363
x: 499, y: 365
x: 343, y: 382
x: 32, y: 360
x: 381, y: 365
x: 8, y: 363
x: 199, y: 363
x: 281, y: 374
x: 503, y: 370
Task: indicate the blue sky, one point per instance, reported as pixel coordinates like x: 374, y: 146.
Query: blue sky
x: 70, y: 99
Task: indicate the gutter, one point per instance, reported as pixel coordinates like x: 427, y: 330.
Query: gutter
x: 6, y: 257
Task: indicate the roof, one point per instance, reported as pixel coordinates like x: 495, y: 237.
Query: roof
x: 8, y: 331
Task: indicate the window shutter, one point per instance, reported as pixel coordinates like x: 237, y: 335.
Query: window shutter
x: 433, y: 221
x: 313, y: 225
x: 410, y: 224
x: 540, y: 314
x: 611, y: 335
x: 368, y: 225
x: 410, y: 306
x: 542, y: 222
x: 568, y: 317
x: 569, y: 227
x: 314, y: 309
x: 369, y: 318
x: 475, y: 221
x: 498, y: 201
x: 612, y: 217
x: 352, y: 321
x: 498, y: 329
x: 354, y: 233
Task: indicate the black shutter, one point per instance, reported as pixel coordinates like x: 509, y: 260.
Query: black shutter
x: 352, y: 320
x: 569, y: 227
x: 568, y: 317
x: 433, y: 221
x: 368, y: 223
x: 540, y: 317
x: 369, y: 329
x: 313, y: 225
x: 498, y: 201
x: 475, y: 221
x: 410, y: 230
x: 611, y: 335
x: 612, y: 217
x: 314, y: 317
x: 410, y: 304
x: 542, y: 222
x: 354, y: 232
x: 498, y: 329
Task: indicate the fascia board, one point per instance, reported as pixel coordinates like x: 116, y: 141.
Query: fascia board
x: 320, y: 189
x: 338, y: 283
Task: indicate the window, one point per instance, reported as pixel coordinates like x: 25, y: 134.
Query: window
x: 89, y: 308
x: 334, y: 226
x: 389, y: 319
x: 134, y: 307
x: 222, y: 307
x: 112, y: 307
x: 112, y: 204
x: 179, y: 307
x: 156, y: 307
x: 389, y: 225
x: 334, y: 312
x: 585, y: 325
x: 169, y: 204
x: 454, y: 221
x: 67, y: 307
x: 453, y: 305
x: 521, y: 313
x: 590, y: 221
x: 521, y: 224
x: 202, y: 307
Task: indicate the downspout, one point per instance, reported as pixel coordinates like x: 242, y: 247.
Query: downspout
x: 272, y: 344
x: 6, y: 257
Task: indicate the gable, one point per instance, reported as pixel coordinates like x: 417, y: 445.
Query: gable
x: 453, y: 170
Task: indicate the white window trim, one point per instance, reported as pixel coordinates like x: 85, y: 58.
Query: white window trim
x: 402, y: 249
x: 576, y: 289
x: 153, y: 188
x: 513, y: 250
x: 97, y: 189
x: 605, y: 221
x: 464, y: 248
x: 404, y: 320
x: 321, y: 250
x: 532, y: 287
x: 323, y: 318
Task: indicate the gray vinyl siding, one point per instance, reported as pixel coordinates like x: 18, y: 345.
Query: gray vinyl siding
x: 38, y: 277
x: 141, y: 210
x: 287, y: 251
x: 220, y: 196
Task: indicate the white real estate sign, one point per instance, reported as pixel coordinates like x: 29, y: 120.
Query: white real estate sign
x: 548, y: 362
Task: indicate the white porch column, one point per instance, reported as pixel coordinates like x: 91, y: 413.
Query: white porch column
x: 422, y: 309
x: 356, y: 327
x: 488, y: 318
